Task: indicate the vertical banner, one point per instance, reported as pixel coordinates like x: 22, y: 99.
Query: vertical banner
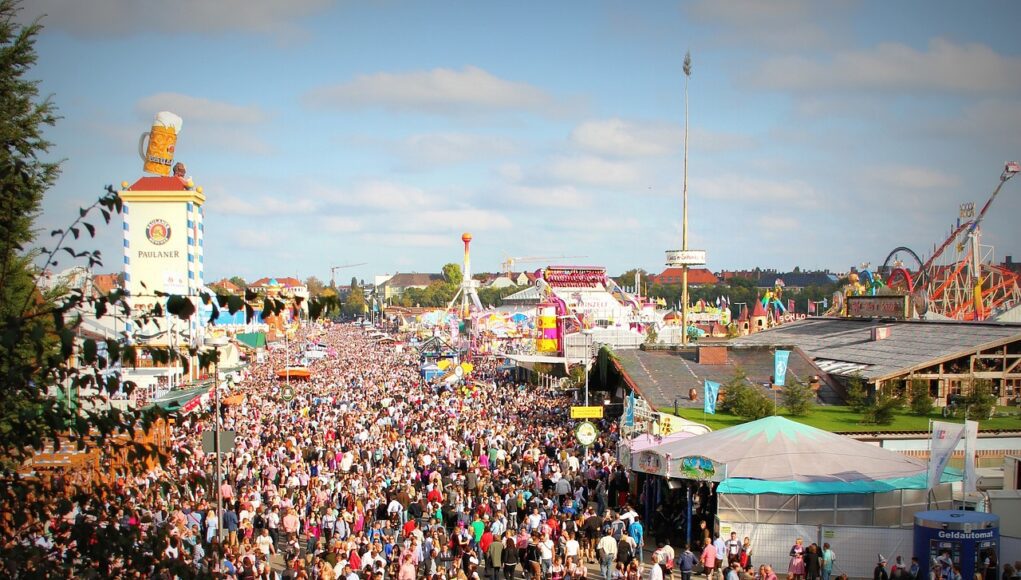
x: 780, y: 359
x: 629, y: 410
x: 970, y: 442
x: 712, y: 390
x: 945, y: 437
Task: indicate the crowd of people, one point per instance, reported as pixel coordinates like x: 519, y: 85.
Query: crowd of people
x: 368, y: 471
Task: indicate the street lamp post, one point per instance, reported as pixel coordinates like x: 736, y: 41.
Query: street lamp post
x: 588, y: 358
x: 217, y: 343
x: 684, y: 218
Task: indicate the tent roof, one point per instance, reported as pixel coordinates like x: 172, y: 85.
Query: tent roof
x: 777, y: 455
x: 252, y: 339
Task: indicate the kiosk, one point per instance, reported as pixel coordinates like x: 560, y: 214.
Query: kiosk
x: 969, y: 540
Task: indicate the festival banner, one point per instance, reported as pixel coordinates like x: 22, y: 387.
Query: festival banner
x: 811, y: 307
x: 970, y: 442
x: 712, y: 390
x: 629, y: 410
x: 945, y: 437
x: 780, y: 359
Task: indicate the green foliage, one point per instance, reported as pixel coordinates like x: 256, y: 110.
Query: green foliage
x: 355, y: 304
x: 883, y: 408
x: 920, y: 400
x: 798, y: 398
x: 744, y: 399
x: 857, y: 397
x: 495, y: 296
x: 315, y: 286
x: 577, y: 375
x: 452, y: 274
x: 239, y: 282
x: 980, y: 401
x: 651, y: 335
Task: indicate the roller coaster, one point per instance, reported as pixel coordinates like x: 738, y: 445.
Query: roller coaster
x: 958, y: 281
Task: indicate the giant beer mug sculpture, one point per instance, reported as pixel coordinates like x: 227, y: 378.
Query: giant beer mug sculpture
x: 158, y: 155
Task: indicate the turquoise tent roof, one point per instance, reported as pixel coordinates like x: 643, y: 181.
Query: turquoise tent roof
x: 777, y: 455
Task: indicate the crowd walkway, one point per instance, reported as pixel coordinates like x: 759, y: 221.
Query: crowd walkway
x: 371, y: 472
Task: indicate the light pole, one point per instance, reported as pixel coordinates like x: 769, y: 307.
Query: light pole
x: 684, y: 218
x: 217, y: 342
x: 588, y: 358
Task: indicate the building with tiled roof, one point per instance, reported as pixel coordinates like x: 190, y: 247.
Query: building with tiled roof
x: 696, y: 277
x: 103, y: 284
x: 288, y: 285
x: 795, y: 281
x: 225, y: 286
x: 400, y: 282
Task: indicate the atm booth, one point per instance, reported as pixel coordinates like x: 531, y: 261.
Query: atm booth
x: 966, y: 539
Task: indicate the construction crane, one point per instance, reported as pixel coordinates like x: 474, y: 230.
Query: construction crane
x: 508, y: 264
x: 333, y: 271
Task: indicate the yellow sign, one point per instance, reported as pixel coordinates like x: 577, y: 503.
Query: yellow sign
x: 586, y: 412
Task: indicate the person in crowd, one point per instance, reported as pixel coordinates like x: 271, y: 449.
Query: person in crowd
x: 796, y: 566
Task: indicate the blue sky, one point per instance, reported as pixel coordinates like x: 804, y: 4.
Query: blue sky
x: 822, y: 135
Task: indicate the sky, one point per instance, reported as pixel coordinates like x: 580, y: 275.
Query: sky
x: 821, y: 134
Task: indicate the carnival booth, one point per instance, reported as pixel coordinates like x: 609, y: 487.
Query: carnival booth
x: 775, y: 479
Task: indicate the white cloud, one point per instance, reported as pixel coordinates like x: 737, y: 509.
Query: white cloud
x: 250, y: 239
x: 377, y: 194
x: 556, y: 196
x: 198, y: 109
x: 740, y: 189
x: 401, y: 240
x: 778, y: 24
x: 441, y: 90
x: 595, y: 171
x: 261, y: 206
x: 154, y: 18
x: 339, y: 224
x: 945, y: 66
x: 621, y: 138
x: 450, y: 220
x: 912, y: 177
x: 452, y: 148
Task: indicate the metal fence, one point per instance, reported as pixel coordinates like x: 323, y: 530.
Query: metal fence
x: 856, y: 548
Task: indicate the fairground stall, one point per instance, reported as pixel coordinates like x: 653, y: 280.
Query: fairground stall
x: 775, y: 480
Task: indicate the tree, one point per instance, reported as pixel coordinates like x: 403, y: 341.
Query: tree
x: 744, y: 399
x: 24, y: 178
x: 239, y: 282
x: 857, y: 398
x: 315, y: 286
x: 627, y: 279
x: 921, y: 400
x: 355, y: 304
x: 452, y: 274
x: 980, y: 402
x: 883, y: 408
x: 798, y: 398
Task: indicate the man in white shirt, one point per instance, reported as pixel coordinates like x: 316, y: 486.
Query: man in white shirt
x: 571, y: 548
x: 265, y: 544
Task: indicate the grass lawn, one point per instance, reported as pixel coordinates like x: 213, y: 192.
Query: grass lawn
x: 842, y: 419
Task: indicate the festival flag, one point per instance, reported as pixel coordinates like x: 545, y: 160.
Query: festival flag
x: 811, y: 307
x: 629, y: 410
x: 790, y: 305
x: 712, y: 390
x: 945, y: 437
x: 970, y: 442
x: 825, y: 303
x: 780, y: 359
